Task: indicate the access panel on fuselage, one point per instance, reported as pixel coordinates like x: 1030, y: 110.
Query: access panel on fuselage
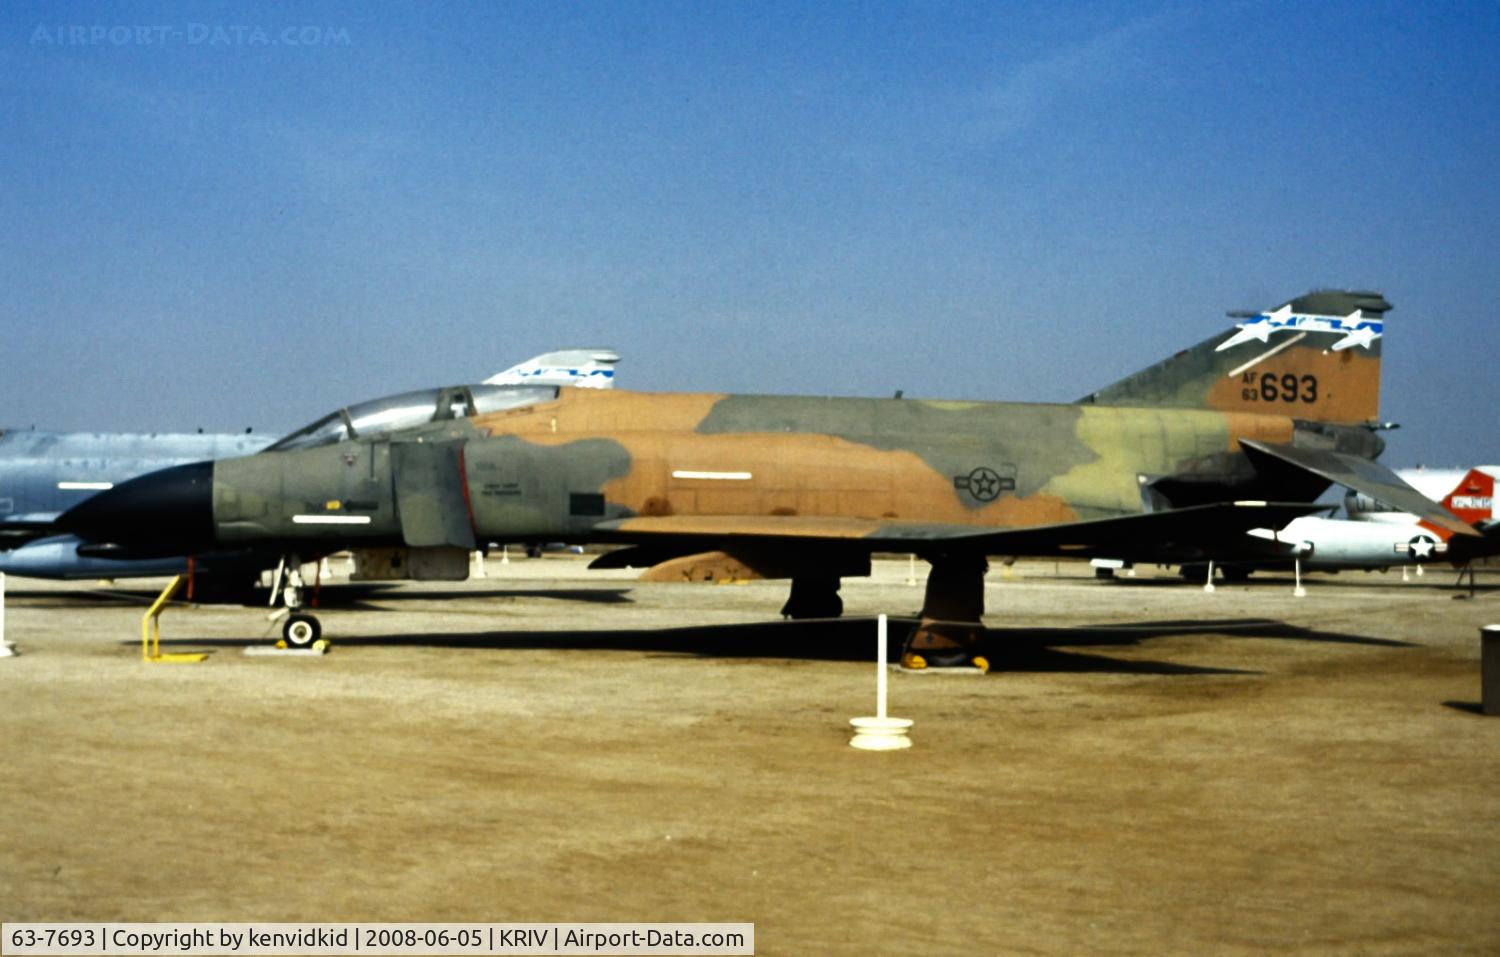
x: 430, y: 494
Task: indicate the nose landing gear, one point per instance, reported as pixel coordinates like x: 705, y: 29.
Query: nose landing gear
x: 300, y: 630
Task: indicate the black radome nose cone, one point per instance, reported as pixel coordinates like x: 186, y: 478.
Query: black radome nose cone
x: 170, y: 512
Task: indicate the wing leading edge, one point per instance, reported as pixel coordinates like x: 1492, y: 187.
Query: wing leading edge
x: 1361, y: 475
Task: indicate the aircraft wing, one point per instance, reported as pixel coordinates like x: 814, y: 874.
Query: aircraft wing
x: 1170, y: 532
x: 1361, y: 475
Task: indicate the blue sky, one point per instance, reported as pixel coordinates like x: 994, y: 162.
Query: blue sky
x: 996, y: 201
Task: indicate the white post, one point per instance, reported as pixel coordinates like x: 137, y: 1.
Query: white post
x: 1298, y: 591
x: 479, y: 563
x: 1208, y: 586
x: 7, y: 649
x: 911, y: 570
x: 505, y: 554
x: 880, y: 733
x: 1405, y: 574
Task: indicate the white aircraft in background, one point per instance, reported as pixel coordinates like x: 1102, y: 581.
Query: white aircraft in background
x: 580, y: 368
x: 1378, y: 536
x: 1468, y: 494
x: 1374, y: 536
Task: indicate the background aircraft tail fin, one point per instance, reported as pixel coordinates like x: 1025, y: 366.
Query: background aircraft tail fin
x: 1316, y: 357
x: 1473, y: 499
x: 583, y: 368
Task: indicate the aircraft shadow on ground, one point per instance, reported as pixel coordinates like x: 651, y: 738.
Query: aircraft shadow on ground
x: 1264, y: 585
x: 344, y: 597
x: 849, y: 639
x: 597, y: 596
x: 1468, y: 707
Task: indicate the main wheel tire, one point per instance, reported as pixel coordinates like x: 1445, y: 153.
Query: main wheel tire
x: 300, y: 631
x: 1194, y: 572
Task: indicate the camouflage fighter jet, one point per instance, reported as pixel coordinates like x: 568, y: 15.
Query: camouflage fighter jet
x: 1239, y: 432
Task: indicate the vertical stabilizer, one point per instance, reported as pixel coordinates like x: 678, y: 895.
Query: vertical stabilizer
x: 1316, y: 357
x: 1473, y: 499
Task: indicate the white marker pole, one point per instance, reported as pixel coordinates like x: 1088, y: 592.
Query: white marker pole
x: 1208, y: 586
x: 880, y: 733
x: 7, y: 650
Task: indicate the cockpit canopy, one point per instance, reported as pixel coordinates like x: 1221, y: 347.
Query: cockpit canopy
x: 410, y: 409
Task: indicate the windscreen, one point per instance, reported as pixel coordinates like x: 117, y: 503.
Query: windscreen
x: 411, y: 409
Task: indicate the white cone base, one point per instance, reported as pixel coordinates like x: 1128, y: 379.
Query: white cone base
x: 880, y: 734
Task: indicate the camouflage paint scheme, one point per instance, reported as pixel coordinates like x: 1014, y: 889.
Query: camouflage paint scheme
x: 842, y: 468
x: 807, y: 487
x: 628, y: 466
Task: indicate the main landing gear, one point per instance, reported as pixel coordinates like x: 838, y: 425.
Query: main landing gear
x: 948, y: 633
x: 813, y: 597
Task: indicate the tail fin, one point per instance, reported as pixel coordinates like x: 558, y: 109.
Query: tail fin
x: 1473, y: 499
x: 1315, y: 357
x: 583, y: 368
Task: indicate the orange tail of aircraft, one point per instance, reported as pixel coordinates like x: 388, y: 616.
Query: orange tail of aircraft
x: 1473, y: 499
x: 1316, y: 358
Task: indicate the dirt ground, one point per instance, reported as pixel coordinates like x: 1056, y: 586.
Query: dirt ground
x: 1150, y: 769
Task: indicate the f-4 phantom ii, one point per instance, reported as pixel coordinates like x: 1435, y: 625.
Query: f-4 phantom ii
x: 1179, y: 458
x: 43, y: 474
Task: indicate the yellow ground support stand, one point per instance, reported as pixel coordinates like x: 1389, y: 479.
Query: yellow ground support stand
x: 151, y: 630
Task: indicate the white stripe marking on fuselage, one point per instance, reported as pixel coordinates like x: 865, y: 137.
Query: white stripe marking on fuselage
x: 713, y: 476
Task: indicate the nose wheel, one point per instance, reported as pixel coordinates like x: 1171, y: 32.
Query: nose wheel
x: 301, y: 630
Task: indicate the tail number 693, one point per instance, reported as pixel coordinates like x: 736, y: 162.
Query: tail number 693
x: 1279, y: 388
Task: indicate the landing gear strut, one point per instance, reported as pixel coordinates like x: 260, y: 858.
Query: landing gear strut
x: 300, y: 630
x: 950, y: 626
x: 813, y: 598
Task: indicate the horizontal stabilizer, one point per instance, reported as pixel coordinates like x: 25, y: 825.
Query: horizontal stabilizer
x: 1361, y: 475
